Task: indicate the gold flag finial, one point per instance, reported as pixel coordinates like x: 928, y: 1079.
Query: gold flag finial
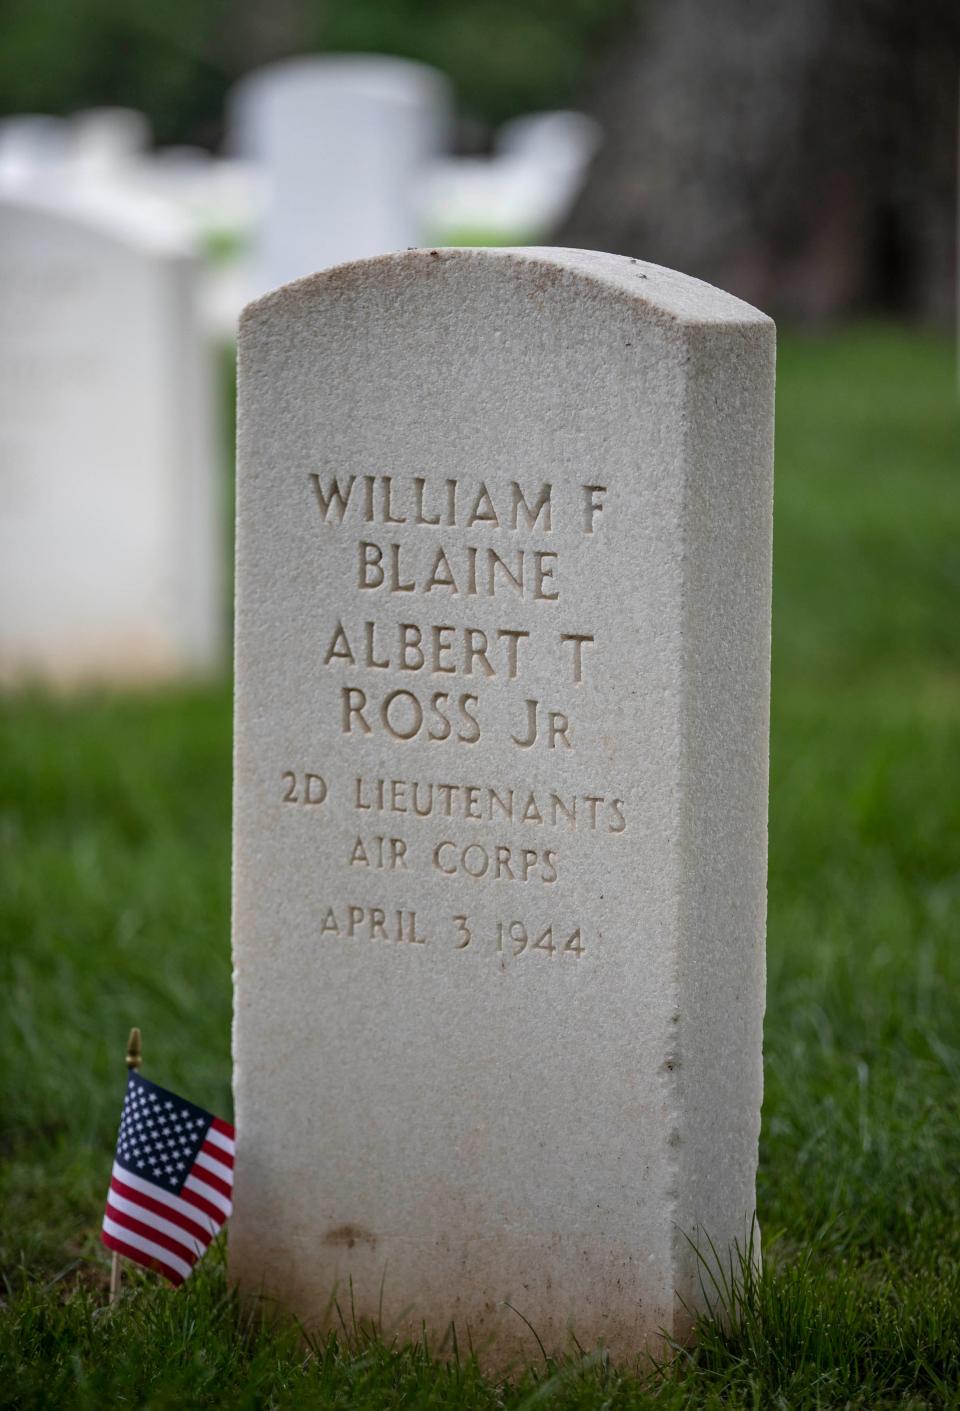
x: 134, y: 1051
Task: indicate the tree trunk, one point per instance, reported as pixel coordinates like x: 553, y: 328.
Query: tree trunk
x: 800, y: 153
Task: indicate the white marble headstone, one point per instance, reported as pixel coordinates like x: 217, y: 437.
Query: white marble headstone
x: 522, y: 192
x: 342, y: 141
x: 502, y: 653
x: 110, y: 537
x: 32, y: 146
x: 109, y: 142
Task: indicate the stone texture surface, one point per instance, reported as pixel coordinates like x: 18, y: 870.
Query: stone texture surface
x: 110, y: 535
x: 440, y: 1117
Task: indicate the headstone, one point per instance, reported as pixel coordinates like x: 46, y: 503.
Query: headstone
x: 109, y: 142
x: 502, y: 652
x: 522, y: 193
x: 32, y: 146
x: 556, y: 149
x: 109, y: 534
x: 342, y: 140
x: 221, y: 201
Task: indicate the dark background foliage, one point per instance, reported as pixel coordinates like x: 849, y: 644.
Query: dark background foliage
x: 176, y: 60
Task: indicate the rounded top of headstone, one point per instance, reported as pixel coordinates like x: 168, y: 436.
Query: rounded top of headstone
x: 133, y: 219
x: 376, y: 75
x: 663, y: 294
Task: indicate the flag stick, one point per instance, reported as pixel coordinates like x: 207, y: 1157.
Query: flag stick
x: 133, y: 1057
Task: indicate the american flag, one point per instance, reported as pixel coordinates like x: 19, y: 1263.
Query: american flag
x: 170, y: 1191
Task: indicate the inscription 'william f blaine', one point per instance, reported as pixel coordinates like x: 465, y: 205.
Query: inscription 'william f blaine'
x: 472, y: 571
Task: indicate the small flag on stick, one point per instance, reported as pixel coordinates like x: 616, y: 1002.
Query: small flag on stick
x: 172, y: 1181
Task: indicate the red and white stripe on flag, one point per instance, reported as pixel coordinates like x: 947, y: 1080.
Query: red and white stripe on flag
x: 170, y: 1188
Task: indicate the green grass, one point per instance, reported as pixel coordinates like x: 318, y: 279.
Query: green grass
x: 115, y: 853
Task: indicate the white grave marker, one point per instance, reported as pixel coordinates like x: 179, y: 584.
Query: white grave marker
x: 342, y: 140
x: 109, y: 534
x: 32, y: 146
x: 109, y: 142
x: 504, y: 528
x: 523, y: 192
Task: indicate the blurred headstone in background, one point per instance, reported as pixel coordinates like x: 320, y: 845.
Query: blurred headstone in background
x: 222, y: 200
x: 31, y: 145
x: 343, y: 142
x: 109, y: 535
x: 107, y: 153
x: 334, y: 158
x: 561, y: 144
x: 522, y: 193
x: 108, y: 141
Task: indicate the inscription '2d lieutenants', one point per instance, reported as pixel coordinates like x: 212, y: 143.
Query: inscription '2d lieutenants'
x: 500, y: 791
